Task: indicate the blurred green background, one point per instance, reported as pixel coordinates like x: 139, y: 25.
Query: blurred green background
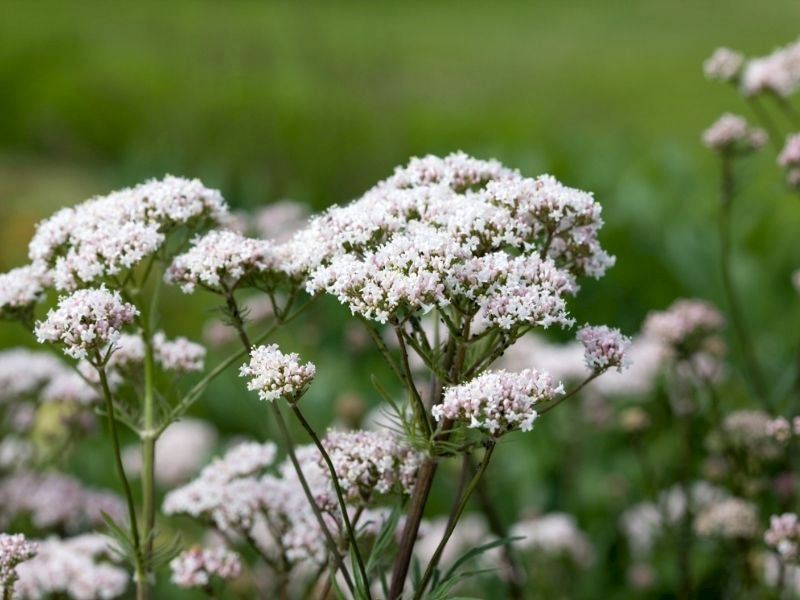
x: 318, y: 101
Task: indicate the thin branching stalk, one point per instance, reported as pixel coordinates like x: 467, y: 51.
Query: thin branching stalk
x: 437, y: 555
x: 766, y: 122
x: 351, y: 534
x: 453, y: 364
x: 238, y: 323
x: 332, y: 546
x: 112, y: 428
x: 754, y: 371
x: 416, y: 400
x: 571, y: 393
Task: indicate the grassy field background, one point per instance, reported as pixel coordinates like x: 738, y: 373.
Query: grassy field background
x: 317, y: 101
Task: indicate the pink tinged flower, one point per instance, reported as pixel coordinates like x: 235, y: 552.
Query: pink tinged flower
x: 274, y: 374
x: 723, y: 65
x: 790, y: 154
x: 497, y: 402
x: 178, y: 355
x: 14, y: 550
x: 783, y: 535
x: 108, y: 235
x: 86, y: 321
x: 778, y: 72
x: 21, y: 289
x: 732, y: 133
x: 197, y: 567
x: 222, y: 260
x: 604, y: 348
x: 371, y: 462
x: 780, y: 429
x: 74, y: 568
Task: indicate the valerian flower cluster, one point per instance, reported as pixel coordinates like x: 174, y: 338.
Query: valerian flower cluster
x: 480, y: 252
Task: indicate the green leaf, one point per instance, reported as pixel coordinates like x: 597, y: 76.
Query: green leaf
x: 475, y: 552
x: 361, y: 585
x: 384, y: 539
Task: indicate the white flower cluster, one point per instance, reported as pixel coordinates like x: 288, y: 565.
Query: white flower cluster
x: 789, y: 159
x: 182, y: 449
x: 73, y: 568
x: 14, y: 550
x: 370, y: 462
x: 731, y: 518
x: 685, y: 324
x: 105, y: 236
x: 53, y: 501
x: 20, y: 290
x: 86, y: 321
x: 779, y: 429
x: 69, y: 387
x: 604, y: 348
x: 456, y: 230
x: 643, y: 523
x: 497, y: 402
x: 196, y: 567
x: 554, y: 534
x: 23, y: 373
x: 724, y: 65
x: 783, y: 535
x: 221, y: 261
x: 280, y: 220
x: 778, y: 73
x: 731, y: 133
x: 224, y: 491
x: 178, y: 355
x: 275, y: 374
x: 239, y: 496
x: 750, y: 431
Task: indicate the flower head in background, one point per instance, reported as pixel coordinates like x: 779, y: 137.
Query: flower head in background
x: 497, y: 402
x: 783, y: 535
x: 76, y: 567
x: 371, y: 462
x: 685, y: 327
x: 777, y: 73
x: 197, y: 567
x: 731, y: 135
x: 731, y: 518
x: 274, y: 374
x: 554, y: 534
x: 86, y: 322
x: 604, y: 348
x: 20, y: 290
x: 222, y: 261
x: 724, y: 65
x: 14, y: 550
x: 108, y: 235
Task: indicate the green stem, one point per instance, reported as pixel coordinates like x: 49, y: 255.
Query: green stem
x: 351, y: 534
x: 459, y: 510
x: 238, y: 323
x: 416, y: 400
x: 756, y: 378
x: 112, y: 429
x: 571, y: 393
x: 148, y: 440
x: 332, y: 546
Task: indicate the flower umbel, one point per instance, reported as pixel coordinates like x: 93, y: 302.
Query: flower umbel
x: 604, y: 348
x: 86, y: 321
x: 498, y: 401
x: 275, y: 374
